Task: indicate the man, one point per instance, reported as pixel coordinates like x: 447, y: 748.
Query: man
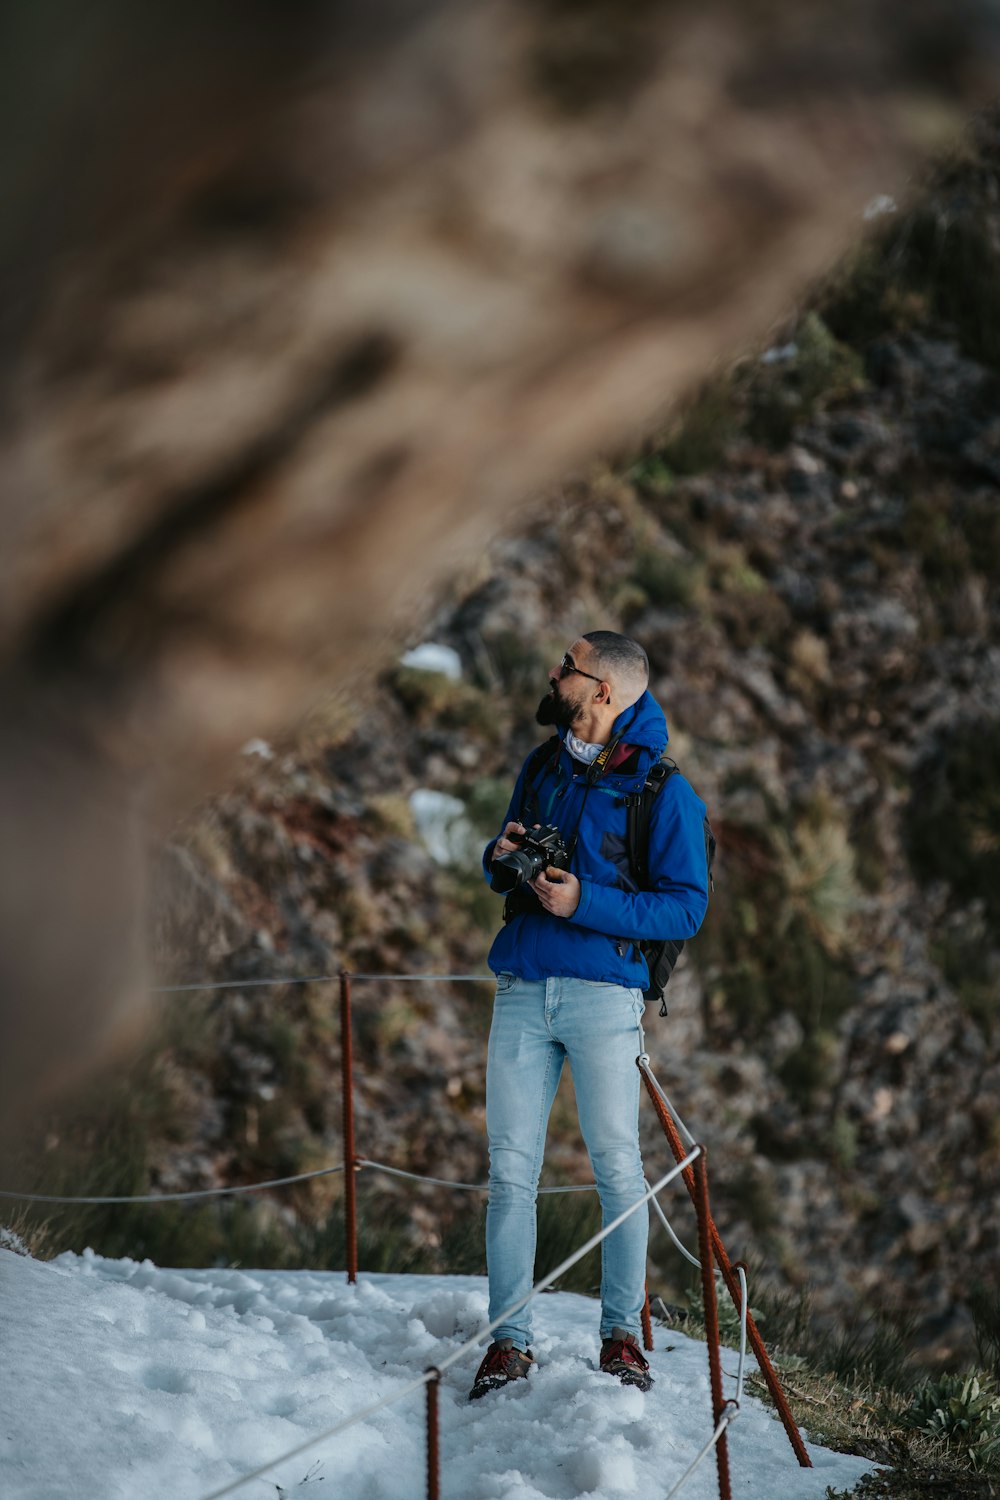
x: 570, y: 981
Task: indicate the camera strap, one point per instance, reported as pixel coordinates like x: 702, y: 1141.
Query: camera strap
x: 599, y: 764
x: 603, y: 759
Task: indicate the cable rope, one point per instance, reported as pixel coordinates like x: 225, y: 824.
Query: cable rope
x: 474, y: 1342
x: 249, y: 1187
x: 728, y: 1416
x: 742, y: 1310
x: 254, y: 1187
x: 688, y: 1137
x: 467, y: 1187
x: 253, y: 984
x: 670, y: 1230
x: 741, y: 1272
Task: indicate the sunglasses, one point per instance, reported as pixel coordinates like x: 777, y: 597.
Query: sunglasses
x: 568, y: 665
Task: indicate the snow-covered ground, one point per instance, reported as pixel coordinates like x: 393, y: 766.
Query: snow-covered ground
x: 126, y: 1382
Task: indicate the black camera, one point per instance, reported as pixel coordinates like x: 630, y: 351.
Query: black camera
x: 539, y: 848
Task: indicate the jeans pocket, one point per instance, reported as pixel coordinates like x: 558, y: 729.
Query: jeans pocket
x: 505, y: 982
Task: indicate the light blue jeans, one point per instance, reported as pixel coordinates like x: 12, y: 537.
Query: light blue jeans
x: 537, y: 1025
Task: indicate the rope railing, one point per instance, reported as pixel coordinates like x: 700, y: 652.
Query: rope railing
x: 691, y: 1259
x: 724, y: 1422
x: 465, y: 1187
x: 729, y: 1271
x: 435, y: 1372
x: 741, y: 1269
x: 690, y: 1166
x: 682, y: 1129
x: 254, y: 984
x: 216, y: 1192
x: 711, y: 1310
x: 256, y: 1187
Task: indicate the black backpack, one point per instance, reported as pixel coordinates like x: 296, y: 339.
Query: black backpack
x: 661, y: 955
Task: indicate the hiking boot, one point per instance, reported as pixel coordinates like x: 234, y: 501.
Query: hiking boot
x: 621, y: 1356
x: 503, y: 1363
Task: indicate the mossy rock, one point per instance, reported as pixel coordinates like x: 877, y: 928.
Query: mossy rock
x: 699, y: 439
x: 486, y: 802
x: 776, y: 936
x: 953, y: 822
x: 964, y: 956
x: 434, y: 698
x: 667, y: 580
x: 780, y: 396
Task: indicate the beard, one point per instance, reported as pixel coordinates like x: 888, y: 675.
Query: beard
x: 554, y: 709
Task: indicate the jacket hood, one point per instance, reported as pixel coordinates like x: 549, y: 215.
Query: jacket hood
x: 643, y: 725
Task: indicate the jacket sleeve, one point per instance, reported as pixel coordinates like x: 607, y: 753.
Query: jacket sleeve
x: 510, y: 816
x: 675, y: 904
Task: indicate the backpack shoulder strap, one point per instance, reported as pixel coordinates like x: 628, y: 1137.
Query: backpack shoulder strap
x: 540, y: 757
x: 639, y: 815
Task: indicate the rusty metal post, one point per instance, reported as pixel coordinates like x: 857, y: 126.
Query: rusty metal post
x: 433, y: 1445
x: 729, y: 1275
x: 347, y: 1104
x: 647, y: 1323
x: 711, y: 1320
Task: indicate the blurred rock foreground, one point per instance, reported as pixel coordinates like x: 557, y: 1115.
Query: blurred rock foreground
x: 301, y: 302
x: 812, y: 558
x: 271, y: 392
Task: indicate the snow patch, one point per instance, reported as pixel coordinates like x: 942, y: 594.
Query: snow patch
x: 610, y: 1470
x: 879, y: 205
x: 779, y: 354
x: 124, y: 1380
x: 432, y: 657
x: 452, y: 1314
x: 442, y: 824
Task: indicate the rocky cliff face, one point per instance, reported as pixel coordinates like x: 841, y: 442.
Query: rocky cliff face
x: 296, y: 301
x: 812, y: 559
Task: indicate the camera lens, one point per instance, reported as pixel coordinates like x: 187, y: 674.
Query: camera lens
x: 516, y: 867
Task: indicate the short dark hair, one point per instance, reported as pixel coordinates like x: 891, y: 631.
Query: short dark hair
x: 623, y: 659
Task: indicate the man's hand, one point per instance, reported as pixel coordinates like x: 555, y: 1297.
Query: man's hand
x: 558, y: 891
x: 505, y: 843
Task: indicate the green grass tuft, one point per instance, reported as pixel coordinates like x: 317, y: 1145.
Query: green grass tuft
x: 965, y: 1411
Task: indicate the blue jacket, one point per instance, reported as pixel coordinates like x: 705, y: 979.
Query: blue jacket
x: 599, y: 940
